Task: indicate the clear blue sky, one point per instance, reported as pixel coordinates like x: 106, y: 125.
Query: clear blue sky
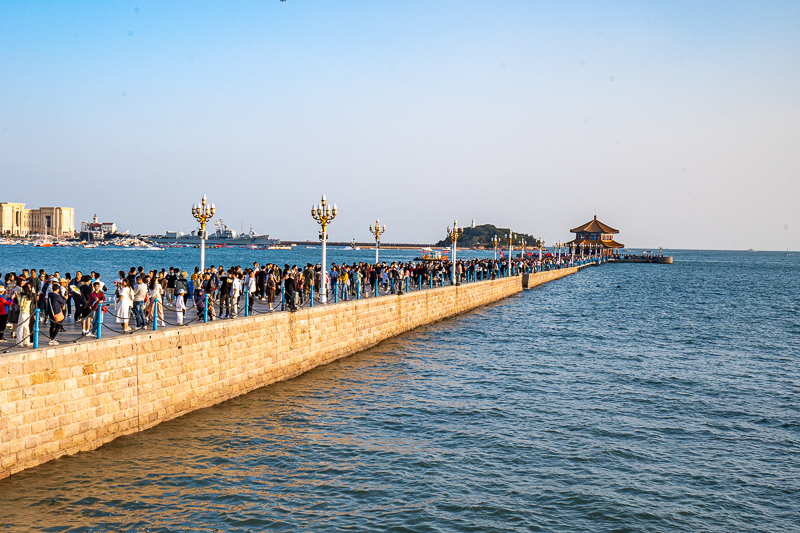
x: 676, y: 122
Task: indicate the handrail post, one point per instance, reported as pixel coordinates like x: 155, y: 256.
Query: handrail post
x: 36, y: 329
x: 283, y: 298
x: 336, y: 291
x: 312, y: 297
x: 155, y: 314
x: 100, y: 321
x: 246, y: 302
x: 205, y: 311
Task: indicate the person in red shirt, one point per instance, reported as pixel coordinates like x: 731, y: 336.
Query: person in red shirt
x: 96, y: 300
x: 4, y: 303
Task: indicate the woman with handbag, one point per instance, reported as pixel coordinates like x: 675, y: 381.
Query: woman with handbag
x: 55, y: 311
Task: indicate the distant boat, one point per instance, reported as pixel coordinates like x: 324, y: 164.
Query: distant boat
x: 751, y: 250
x: 352, y: 246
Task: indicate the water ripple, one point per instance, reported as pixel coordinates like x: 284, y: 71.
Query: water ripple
x: 668, y: 405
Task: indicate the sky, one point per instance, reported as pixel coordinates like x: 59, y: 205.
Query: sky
x: 677, y: 123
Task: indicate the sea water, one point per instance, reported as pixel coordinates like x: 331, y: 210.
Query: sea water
x: 623, y: 398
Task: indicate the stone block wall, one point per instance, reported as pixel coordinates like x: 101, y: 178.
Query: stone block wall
x: 530, y: 281
x: 71, y: 398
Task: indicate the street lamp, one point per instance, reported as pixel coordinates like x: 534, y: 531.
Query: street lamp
x: 541, y: 243
x: 203, y: 214
x: 323, y: 214
x: 377, y: 230
x: 453, y: 235
x: 510, y: 237
x: 495, y: 241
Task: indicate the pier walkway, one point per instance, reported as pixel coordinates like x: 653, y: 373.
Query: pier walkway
x: 72, y: 333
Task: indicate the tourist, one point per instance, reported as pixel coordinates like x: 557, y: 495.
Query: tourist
x: 155, y: 306
x: 96, y: 299
x: 56, y: 304
x: 26, y: 300
x: 171, y: 278
x: 236, y: 292
x: 85, y: 317
x: 139, y: 298
x: 224, y: 294
x: 180, y: 306
x: 182, y: 283
x: 5, y: 304
x: 272, y: 284
x: 125, y: 305
x: 289, y: 286
x: 251, y: 290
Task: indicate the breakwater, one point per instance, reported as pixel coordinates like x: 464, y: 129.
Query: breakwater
x: 72, y: 398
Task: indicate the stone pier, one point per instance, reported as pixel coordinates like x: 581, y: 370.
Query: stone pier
x: 70, y: 398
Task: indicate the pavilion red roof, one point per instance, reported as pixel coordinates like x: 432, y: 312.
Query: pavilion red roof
x: 586, y: 242
x: 594, y: 226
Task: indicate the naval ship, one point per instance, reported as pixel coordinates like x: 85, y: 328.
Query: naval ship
x: 224, y: 236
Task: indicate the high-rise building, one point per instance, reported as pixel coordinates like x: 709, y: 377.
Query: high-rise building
x: 17, y: 221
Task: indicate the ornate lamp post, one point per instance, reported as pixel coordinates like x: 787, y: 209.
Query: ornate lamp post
x: 203, y: 213
x: 323, y: 214
x: 510, y: 237
x: 377, y: 230
x: 541, y: 243
x: 453, y: 235
x: 495, y: 241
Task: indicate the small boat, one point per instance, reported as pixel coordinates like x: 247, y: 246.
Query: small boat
x: 427, y: 254
x: 352, y: 246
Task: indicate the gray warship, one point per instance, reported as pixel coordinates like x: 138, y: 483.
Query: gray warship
x: 224, y: 235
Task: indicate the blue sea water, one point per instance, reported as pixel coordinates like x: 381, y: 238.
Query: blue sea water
x: 624, y: 398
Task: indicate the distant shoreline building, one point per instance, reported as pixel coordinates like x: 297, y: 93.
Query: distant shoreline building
x: 96, y: 230
x: 595, y: 235
x: 16, y: 221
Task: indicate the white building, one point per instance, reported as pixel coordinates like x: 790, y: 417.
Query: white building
x: 97, y: 229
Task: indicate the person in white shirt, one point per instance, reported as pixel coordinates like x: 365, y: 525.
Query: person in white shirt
x: 124, y: 304
x: 180, y: 306
x: 251, y: 289
x: 236, y: 292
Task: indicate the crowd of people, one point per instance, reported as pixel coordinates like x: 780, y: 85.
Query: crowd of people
x: 138, y: 298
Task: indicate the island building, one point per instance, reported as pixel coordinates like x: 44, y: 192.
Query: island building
x: 597, y: 236
x: 96, y: 230
x: 16, y: 221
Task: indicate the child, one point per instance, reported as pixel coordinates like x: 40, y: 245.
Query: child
x: 96, y: 300
x: 180, y: 306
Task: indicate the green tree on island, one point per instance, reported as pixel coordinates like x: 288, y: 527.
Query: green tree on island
x: 481, y: 237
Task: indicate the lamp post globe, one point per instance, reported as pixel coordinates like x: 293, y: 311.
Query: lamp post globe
x: 323, y: 214
x: 510, y: 236
x: 376, y: 231
x: 203, y: 212
x: 453, y: 235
